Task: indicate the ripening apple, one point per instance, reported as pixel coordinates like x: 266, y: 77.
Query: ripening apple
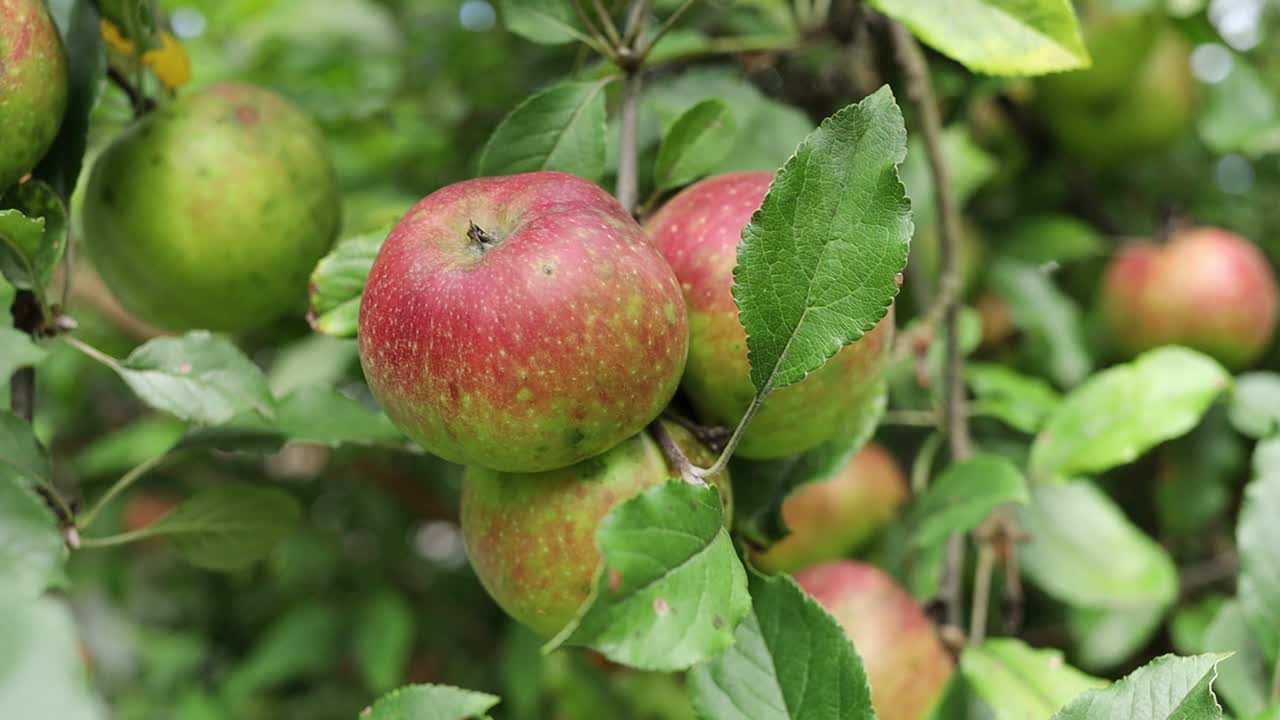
x: 33, y: 86
x: 212, y: 210
x: 828, y: 520
x: 531, y: 537
x: 1206, y: 288
x: 521, y: 323
x: 698, y: 232
x: 906, y: 663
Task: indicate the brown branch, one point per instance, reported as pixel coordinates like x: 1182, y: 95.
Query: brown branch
x: 140, y: 103
x: 628, y: 188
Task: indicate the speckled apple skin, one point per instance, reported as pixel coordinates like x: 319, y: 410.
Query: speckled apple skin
x: 558, y: 342
x: 1207, y: 289
x: 698, y: 233
x: 906, y: 664
x: 212, y: 211
x: 531, y: 537
x: 33, y: 86
x: 828, y: 520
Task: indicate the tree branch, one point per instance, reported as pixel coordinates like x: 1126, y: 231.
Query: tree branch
x: 628, y: 188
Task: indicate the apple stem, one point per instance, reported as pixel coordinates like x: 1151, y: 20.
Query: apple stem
x: 713, y: 436
x: 483, y: 239
x: 732, y: 445
x: 675, y: 456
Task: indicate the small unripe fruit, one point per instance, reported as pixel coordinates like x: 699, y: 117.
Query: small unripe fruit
x: 906, y: 664
x: 698, y: 233
x: 1206, y: 288
x: 211, y: 211
x: 531, y: 538
x: 521, y: 323
x: 33, y: 86
x: 828, y: 520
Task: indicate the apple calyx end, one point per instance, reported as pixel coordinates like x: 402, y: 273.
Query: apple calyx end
x: 481, y: 238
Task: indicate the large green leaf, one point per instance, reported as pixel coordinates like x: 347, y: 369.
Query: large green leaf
x: 16, y: 351
x: 964, y: 495
x: 1167, y: 688
x: 228, y: 527
x: 324, y: 416
x: 1084, y: 551
x: 560, y: 128
x: 31, y: 548
x: 700, y: 138
x: 1255, y: 404
x: 998, y: 37
x: 760, y: 486
x: 198, y: 377
x: 33, y: 234
x: 817, y: 264
x: 1123, y: 411
x: 1049, y: 318
x: 1243, y: 679
x: 302, y: 643
x: 337, y: 283
x: 670, y: 589
x: 42, y: 674
x: 431, y: 702
x: 86, y: 76
x: 1019, y: 401
x: 1258, y: 538
x: 1018, y: 682
x: 549, y: 22
x: 383, y: 639
x: 790, y: 661
x: 20, y: 450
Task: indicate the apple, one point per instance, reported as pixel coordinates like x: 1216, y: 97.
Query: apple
x: 906, y: 663
x: 1138, y: 97
x: 212, y: 210
x: 1206, y: 288
x: 698, y: 232
x: 830, y: 519
x: 531, y: 537
x: 33, y: 86
x: 521, y: 323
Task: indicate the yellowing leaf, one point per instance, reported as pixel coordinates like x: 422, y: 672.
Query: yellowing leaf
x: 114, y: 38
x: 169, y: 62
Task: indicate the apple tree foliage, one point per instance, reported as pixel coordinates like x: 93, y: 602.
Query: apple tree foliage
x: 202, y: 527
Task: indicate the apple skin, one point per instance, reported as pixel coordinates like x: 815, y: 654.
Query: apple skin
x: 559, y: 339
x: 212, y: 210
x: 828, y: 520
x: 1206, y: 288
x: 531, y: 537
x: 33, y: 86
x: 698, y: 232
x: 906, y: 663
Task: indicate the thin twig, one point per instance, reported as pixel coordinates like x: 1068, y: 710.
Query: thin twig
x: 636, y: 17
x: 590, y: 27
x: 92, y: 352
x: 981, y: 592
x: 1219, y: 569
x: 126, y: 480
x: 955, y: 421
x: 120, y: 539
x: 667, y: 24
x: 912, y: 418
x: 1013, y: 599
x: 140, y: 103
x: 628, y: 152
x: 722, y: 460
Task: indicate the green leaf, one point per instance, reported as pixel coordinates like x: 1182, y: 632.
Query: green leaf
x: 136, y: 19
x: 970, y: 166
x: 430, y: 702
x: 1049, y: 318
x: 42, y: 674
x: 964, y: 495
x: 548, y: 22
x: 337, y: 283
x: 1019, y: 401
x: 20, y: 450
x: 31, y: 547
x: 1019, y: 682
x: 1123, y: 411
x: 1167, y: 688
x: 670, y: 589
x: 228, y: 527
x: 1084, y: 551
x: 695, y: 144
x: 115, y: 452
x: 1255, y: 404
x: 303, y: 643
x: 33, y: 234
x: 1053, y: 239
x: 760, y: 486
x: 86, y: 77
x: 790, y: 661
x: 817, y: 264
x: 382, y: 640
x: 1198, y: 474
x: 1258, y: 539
x: 1106, y: 638
x: 16, y: 351
x: 1243, y: 680
x: 1240, y: 112
x: 312, y: 360
x: 560, y: 128
x: 324, y: 416
x: 997, y: 37
x: 198, y: 377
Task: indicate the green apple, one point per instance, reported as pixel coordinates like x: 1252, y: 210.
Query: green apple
x: 828, y: 520
x: 698, y: 233
x: 531, y: 537
x: 211, y: 211
x: 33, y: 86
